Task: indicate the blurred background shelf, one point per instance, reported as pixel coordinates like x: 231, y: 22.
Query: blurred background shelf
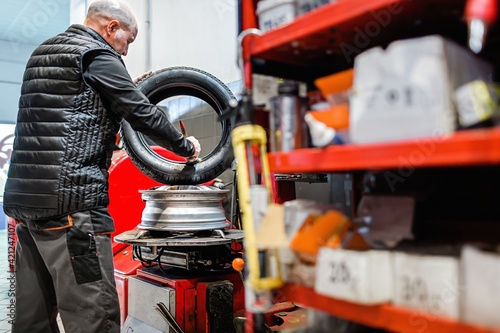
x: 327, y: 39
x: 384, y: 316
x: 454, y: 178
x: 464, y: 148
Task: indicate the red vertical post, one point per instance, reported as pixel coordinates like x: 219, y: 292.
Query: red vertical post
x: 249, y: 20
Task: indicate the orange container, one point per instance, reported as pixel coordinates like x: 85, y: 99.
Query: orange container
x: 336, y: 83
x: 335, y: 90
x: 336, y: 117
x: 332, y: 229
x: 317, y: 231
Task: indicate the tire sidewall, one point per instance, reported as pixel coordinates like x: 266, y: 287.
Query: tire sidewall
x: 176, y: 81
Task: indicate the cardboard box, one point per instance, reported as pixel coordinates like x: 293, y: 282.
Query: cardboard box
x: 406, y: 91
x: 363, y: 277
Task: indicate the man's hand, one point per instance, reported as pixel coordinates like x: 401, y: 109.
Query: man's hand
x: 197, y: 150
x: 142, y: 76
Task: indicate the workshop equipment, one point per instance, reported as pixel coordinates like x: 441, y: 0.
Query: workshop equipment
x: 183, y: 208
x: 125, y: 268
x: 190, y: 255
x: 249, y: 140
x: 195, y: 251
x: 183, y: 226
x: 125, y: 181
x: 190, y: 251
x: 200, y: 301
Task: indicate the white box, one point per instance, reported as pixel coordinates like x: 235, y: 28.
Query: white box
x: 481, y: 287
x: 275, y: 13
x: 358, y: 276
x: 406, y: 91
x: 427, y: 283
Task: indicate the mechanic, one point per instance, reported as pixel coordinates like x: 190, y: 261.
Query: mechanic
x: 75, y: 92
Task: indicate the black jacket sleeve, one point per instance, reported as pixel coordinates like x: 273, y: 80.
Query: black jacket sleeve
x: 107, y: 75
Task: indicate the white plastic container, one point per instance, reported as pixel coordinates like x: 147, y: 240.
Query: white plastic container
x: 275, y: 13
x: 406, y: 90
x: 427, y: 284
x: 363, y: 277
x: 481, y: 286
x: 304, y: 6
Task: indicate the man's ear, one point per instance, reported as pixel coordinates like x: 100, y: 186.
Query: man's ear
x: 112, y: 27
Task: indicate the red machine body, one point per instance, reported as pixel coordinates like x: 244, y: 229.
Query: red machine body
x: 192, y: 311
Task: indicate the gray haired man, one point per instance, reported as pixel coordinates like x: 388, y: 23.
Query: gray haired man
x: 75, y: 92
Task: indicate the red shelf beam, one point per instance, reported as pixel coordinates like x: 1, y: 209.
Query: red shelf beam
x: 346, y: 27
x: 464, y: 148
x: 322, y: 18
x: 384, y: 316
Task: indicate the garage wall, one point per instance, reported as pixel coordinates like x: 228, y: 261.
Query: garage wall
x: 23, y: 25
x: 195, y: 33
x: 13, y: 58
x: 10, y: 86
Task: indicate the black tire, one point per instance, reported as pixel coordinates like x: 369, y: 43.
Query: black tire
x: 177, y: 81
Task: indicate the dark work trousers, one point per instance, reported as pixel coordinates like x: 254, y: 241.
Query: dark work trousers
x: 67, y: 271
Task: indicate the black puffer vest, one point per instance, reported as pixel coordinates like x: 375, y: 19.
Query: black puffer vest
x: 64, y: 136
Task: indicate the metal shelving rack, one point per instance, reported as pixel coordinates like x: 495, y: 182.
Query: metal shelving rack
x: 386, y: 316
x: 477, y: 147
x: 321, y: 42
